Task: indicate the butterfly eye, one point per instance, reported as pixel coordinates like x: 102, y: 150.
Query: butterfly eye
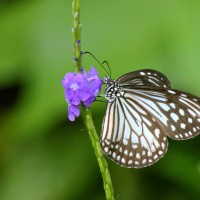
x: 142, y: 111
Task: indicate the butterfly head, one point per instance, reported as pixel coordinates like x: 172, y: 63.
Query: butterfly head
x: 112, y: 89
x: 107, y: 80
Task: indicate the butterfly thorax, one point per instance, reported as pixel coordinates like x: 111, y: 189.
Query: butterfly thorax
x: 112, y: 89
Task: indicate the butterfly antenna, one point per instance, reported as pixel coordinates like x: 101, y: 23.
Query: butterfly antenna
x: 87, y: 52
x: 108, y: 67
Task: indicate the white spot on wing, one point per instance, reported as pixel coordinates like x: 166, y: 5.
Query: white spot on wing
x: 130, y: 162
x: 123, y: 160
x: 138, y: 156
x: 157, y: 132
x: 155, y: 156
x: 106, y: 149
x: 173, y: 127
x: 126, y: 152
x: 174, y: 117
x: 171, y: 91
x: 183, y: 125
x: 163, y: 145
x: 131, y: 154
x: 144, y: 161
x: 118, y: 157
x: 172, y: 105
x: 181, y: 111
x: 190, y: 120
x: 142, y: 73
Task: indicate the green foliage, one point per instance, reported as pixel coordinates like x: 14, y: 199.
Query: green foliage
x: 45, y: 157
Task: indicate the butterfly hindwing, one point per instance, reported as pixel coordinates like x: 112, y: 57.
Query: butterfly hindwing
x: 127, y: 138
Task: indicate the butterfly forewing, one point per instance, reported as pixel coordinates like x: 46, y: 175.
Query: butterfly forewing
x: 142, y: 110
x: 147, y: 77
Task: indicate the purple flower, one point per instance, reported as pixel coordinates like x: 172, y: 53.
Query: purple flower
x: 82, y: 87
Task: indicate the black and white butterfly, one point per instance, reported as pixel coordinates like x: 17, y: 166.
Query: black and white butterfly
x: 142, y: 111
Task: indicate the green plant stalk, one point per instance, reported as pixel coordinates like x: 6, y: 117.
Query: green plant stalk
x: 87, y: 116
x: 76, y: 30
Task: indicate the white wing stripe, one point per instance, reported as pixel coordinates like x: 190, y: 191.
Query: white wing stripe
x: 108, y: 127
x: 130, y: 108
x: 149, y: 105
x: 136, y: 107
x: 144, y: 143
x: 127, y: 130
x: 134, y: 138
x: 116, y: 128
x: 191, y: 102
x: 149, y: 95
x: 189, y: 105
x: 149, y: 136
x: 118, y: 133
x: 134, y: 121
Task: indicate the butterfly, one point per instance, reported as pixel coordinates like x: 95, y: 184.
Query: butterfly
x: 142, y: 112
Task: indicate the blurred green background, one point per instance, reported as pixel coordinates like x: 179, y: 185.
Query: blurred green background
x: 45, y: 157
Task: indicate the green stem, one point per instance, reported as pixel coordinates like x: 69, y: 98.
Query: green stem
x: 76, y: 30
x: 87, y: 117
